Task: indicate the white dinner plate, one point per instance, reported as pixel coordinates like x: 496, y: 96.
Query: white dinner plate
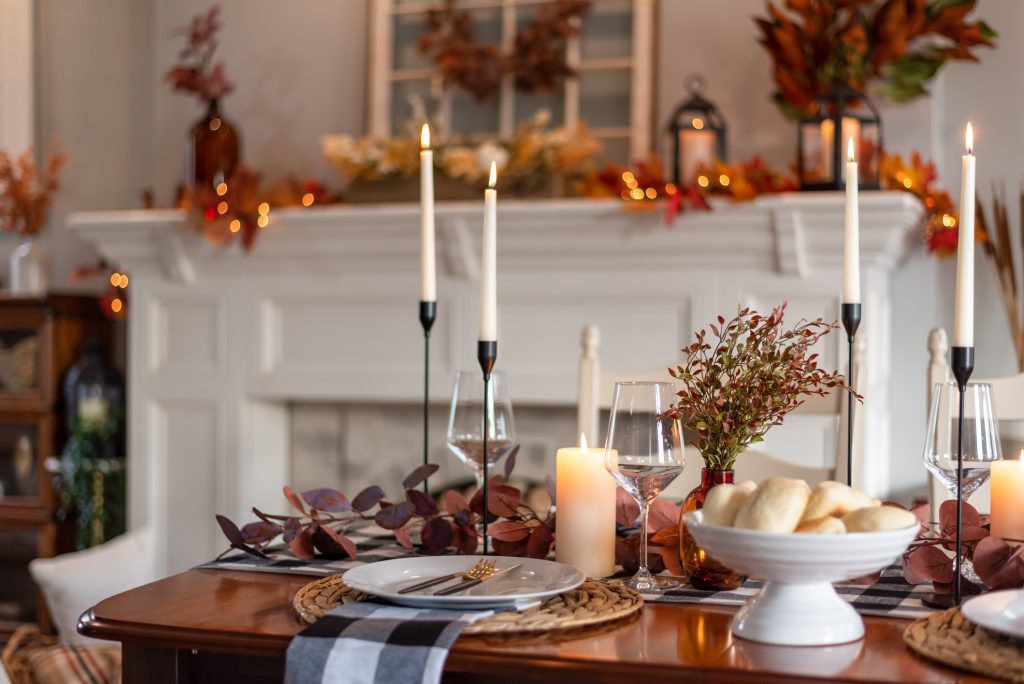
x: 1000, y: 611
x: 533, y: 581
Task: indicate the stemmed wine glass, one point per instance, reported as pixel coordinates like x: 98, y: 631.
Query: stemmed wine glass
x: 466, y: 421
x: 644, y: 453
x: 980, y: 440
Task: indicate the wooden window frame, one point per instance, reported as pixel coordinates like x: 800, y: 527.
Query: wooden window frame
x: 640, y: 64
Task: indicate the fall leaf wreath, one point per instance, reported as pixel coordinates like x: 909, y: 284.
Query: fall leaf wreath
x: 537, y: 61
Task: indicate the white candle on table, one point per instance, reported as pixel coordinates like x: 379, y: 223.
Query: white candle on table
x: 1008, y: 498
x: 851, y: 244
x: 963, y: 320
x: 489, y: 263
x: 585, y: 494
x: 428, y: 263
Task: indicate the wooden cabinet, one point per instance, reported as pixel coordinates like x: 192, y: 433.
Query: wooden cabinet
x: 40, y: 339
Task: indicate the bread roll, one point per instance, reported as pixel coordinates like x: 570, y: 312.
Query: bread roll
x: 835, y: 499
x: 723, y: 502
x: 776, y: 506
x: 879, y: 519
x: 826, y: 525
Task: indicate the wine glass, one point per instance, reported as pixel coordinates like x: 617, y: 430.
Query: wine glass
x: 644, y: 453
x: 466, y: 421
x: 980, y: 441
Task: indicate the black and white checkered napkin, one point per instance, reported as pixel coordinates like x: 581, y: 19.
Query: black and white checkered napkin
x: 376, y: 643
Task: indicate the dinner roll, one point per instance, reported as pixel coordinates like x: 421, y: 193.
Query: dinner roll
x: 879, y: 519
x: 836, y: 499
x: 776, y: 506
x: 826, y: 525
x: 723, y: 502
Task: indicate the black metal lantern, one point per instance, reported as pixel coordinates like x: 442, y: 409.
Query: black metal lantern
x: 697, y: 133
x: 94, y: 393
x: 842, y: 114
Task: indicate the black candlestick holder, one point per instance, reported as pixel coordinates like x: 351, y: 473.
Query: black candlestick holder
x: 963, y: 365
x: 428, y: 313
x: 851, y: 321
x: 487, y: 354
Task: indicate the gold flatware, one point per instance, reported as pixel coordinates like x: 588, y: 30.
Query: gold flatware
x: 483, y: 568
x: 466, y: 584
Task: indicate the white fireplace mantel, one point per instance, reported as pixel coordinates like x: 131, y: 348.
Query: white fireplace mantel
x: 325, y: 308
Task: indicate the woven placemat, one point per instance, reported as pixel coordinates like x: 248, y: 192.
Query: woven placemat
x: 952, y: 639
x: 592, y: 603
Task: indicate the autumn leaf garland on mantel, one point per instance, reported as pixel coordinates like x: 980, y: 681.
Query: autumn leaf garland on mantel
x: 892, y: 47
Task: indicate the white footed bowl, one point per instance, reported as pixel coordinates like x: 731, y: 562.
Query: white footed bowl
x: 797, y: 605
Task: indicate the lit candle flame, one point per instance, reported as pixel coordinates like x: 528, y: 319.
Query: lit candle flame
x: 494, y: 175
x: 970, y: 138
x: 849, y: 148
x: 425, y: 137
x: 583, y: 443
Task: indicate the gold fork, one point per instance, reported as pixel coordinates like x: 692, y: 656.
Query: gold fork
x: 482, y: 570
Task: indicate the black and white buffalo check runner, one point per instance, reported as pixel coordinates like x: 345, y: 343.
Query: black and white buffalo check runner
x: 890, y: 596
x: 376, y: 643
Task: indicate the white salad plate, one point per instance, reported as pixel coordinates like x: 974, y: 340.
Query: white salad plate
x: 534, y: 581
x: 1000, y: 611
x: 798, y: 605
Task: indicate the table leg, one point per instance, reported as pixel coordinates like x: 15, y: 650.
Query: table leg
x: 142, y: 664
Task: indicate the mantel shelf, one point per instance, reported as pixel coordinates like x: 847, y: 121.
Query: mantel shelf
x: 792, y: 233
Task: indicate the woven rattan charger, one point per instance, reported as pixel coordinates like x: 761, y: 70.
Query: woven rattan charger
x: 591, y: 603
x: 952, y: 639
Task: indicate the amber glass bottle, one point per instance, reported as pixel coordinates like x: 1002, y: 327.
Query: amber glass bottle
x: 703, y: 571
x: 213, y: 149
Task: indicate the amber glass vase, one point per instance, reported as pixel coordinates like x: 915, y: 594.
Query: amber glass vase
x: 213, y: 149
x: 703, y: 571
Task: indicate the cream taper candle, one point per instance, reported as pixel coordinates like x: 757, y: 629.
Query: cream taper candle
x: 851, y: 242
x: 489, y: 263
x: 1008, y: 498
x: 428, y: 262
x: 585, y: 494
x: 963, y: 320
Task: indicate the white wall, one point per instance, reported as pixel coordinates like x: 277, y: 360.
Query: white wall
x: 300, y: 67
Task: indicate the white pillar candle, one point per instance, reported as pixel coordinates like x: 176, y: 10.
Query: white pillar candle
x: 489, y: 263
x: 428, y: 262
x: 585, y: 494
x: 697, y: 149
x: 963, y: 320
x: 851, y: 244
x: 1008, y: 498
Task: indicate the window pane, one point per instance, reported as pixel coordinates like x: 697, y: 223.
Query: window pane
x: 471, y: 116
x: 405, y: 42
x: 607, y: 30
x: 615, y: 150
x: 527, y: 105
x: 604, y: 97
x: 401, y: 110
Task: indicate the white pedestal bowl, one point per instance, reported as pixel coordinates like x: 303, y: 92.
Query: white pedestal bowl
x: 798, y: 605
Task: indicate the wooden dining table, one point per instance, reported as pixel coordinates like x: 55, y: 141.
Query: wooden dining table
x: 208, y: 625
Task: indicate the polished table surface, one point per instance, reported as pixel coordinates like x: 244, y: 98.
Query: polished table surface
x: 216, y: 625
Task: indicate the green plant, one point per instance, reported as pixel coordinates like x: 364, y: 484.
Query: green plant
x: 92, y: 482
x: 745, y: 382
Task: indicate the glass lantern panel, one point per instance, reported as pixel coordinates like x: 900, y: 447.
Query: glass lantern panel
x: 19, y: 461
x: 697, y: 150
x: 870, y: 152
x: 817, y: 140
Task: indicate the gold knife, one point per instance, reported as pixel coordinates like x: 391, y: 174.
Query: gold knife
x: 472, y: 583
